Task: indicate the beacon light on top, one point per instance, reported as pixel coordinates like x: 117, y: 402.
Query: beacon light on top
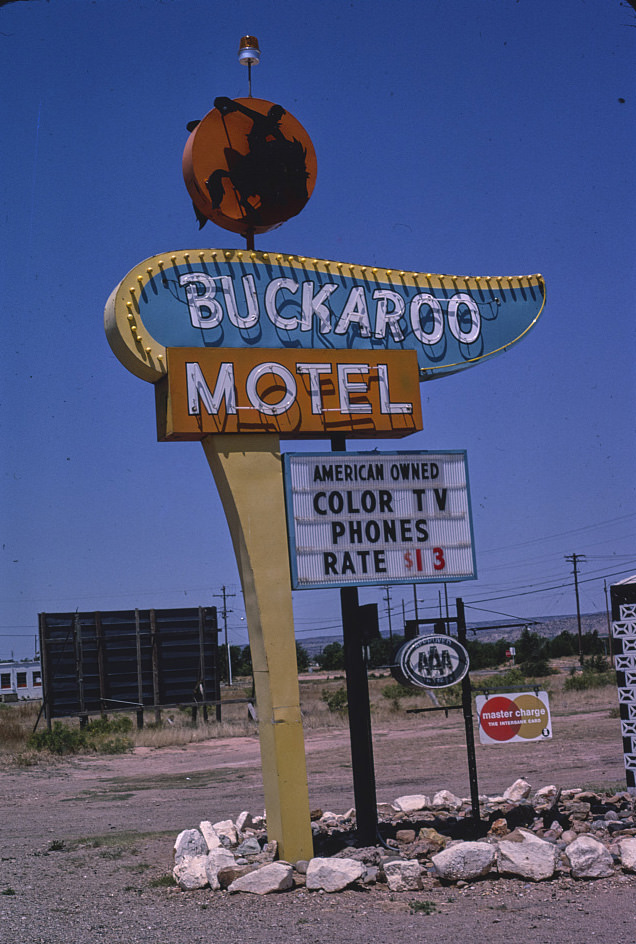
x: 249, y: 54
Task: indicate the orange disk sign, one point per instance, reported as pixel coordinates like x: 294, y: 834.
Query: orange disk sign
x: 249, y: 165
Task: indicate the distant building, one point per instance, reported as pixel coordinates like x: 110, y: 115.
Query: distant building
x: 20, y: 680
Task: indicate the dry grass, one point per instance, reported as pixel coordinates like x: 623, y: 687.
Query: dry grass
x: 182, y: 731
x: 389, y: 703
x: 16, y: 723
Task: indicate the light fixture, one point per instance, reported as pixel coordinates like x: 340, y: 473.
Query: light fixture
x: 249, y: 55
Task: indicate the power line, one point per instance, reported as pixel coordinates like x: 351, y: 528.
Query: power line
x: 561, y: 534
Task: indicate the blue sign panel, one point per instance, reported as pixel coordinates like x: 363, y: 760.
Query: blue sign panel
x: 233, y: 298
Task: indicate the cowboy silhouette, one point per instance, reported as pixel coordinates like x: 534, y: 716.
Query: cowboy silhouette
x: 271, y: 176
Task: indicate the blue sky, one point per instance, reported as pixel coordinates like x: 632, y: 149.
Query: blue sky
x: 472, y: 137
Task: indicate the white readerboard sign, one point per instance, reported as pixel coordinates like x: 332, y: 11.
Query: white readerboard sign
x: 359, y: 518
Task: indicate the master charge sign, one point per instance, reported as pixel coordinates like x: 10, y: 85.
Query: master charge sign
x: 514, y: 716
x: 364, y: 518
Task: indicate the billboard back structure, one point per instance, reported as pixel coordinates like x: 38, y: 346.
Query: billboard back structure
x: 128, y: 660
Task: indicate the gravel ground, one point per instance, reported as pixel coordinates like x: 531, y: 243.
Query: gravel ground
x: 86, y: 846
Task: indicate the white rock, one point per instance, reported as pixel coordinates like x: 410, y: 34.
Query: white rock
x: 189, y: 842
x: 412, y: 803
x: 210, y: 834
x: 589, y: 858
x: 403, y: 875
x: 332, y: 875
x: 226, y: 829
x: 216, y: 860
x: 244, y: 821
x: 519, y: 790
x: 249, y: 846
x: 527, y: 855
x: 386, y: 809
x: 464, y: 861
x: 189, y: 872
x: 277, y: 877
x: 330, y: 819
x: 545, y: 796
x: 445, y: 800
x: 627, y: 851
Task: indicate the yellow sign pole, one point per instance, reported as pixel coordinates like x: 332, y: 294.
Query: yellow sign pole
x: 248, y: 475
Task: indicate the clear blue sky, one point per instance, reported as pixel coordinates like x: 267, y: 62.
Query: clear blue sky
x: 482, y: 137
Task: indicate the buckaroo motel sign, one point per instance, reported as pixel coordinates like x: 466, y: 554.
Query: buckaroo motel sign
x: 244, y: 347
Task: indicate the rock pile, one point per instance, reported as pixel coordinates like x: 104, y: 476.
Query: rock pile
x: 572, y: 832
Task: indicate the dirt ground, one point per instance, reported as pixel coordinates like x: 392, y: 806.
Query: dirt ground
x: 85, y: 844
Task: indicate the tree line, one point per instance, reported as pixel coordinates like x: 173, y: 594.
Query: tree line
x: 533, y: 653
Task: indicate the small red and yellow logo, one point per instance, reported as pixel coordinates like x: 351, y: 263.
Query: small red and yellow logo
x: 520, y: 716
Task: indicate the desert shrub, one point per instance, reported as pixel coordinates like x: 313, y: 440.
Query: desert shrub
x: 507, y: 681
x: 597, y: 663
x: 121, y: 724
x: 537, y: 667
x: 115, y: 745
x: 423, y: 907
x: 394, y: 692
x: 452, y: 695
x: 335, y: 701
x: 582, y: 681
x: 103, y: 736
x: 59, y: 740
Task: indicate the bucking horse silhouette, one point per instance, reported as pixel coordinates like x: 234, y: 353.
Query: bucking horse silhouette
x: 273, y: 173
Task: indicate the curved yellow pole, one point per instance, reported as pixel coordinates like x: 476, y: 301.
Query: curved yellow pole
x: 248, y: 473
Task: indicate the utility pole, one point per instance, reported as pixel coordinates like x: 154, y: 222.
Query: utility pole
x: 610, y: 639
x: 224, y: 594
x: 574, y: 559
x: 387, y: 599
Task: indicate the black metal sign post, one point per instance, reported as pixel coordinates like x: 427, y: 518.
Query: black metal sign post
x: 467, y: 708
x: 359, y: 720
x: 360, y: 734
